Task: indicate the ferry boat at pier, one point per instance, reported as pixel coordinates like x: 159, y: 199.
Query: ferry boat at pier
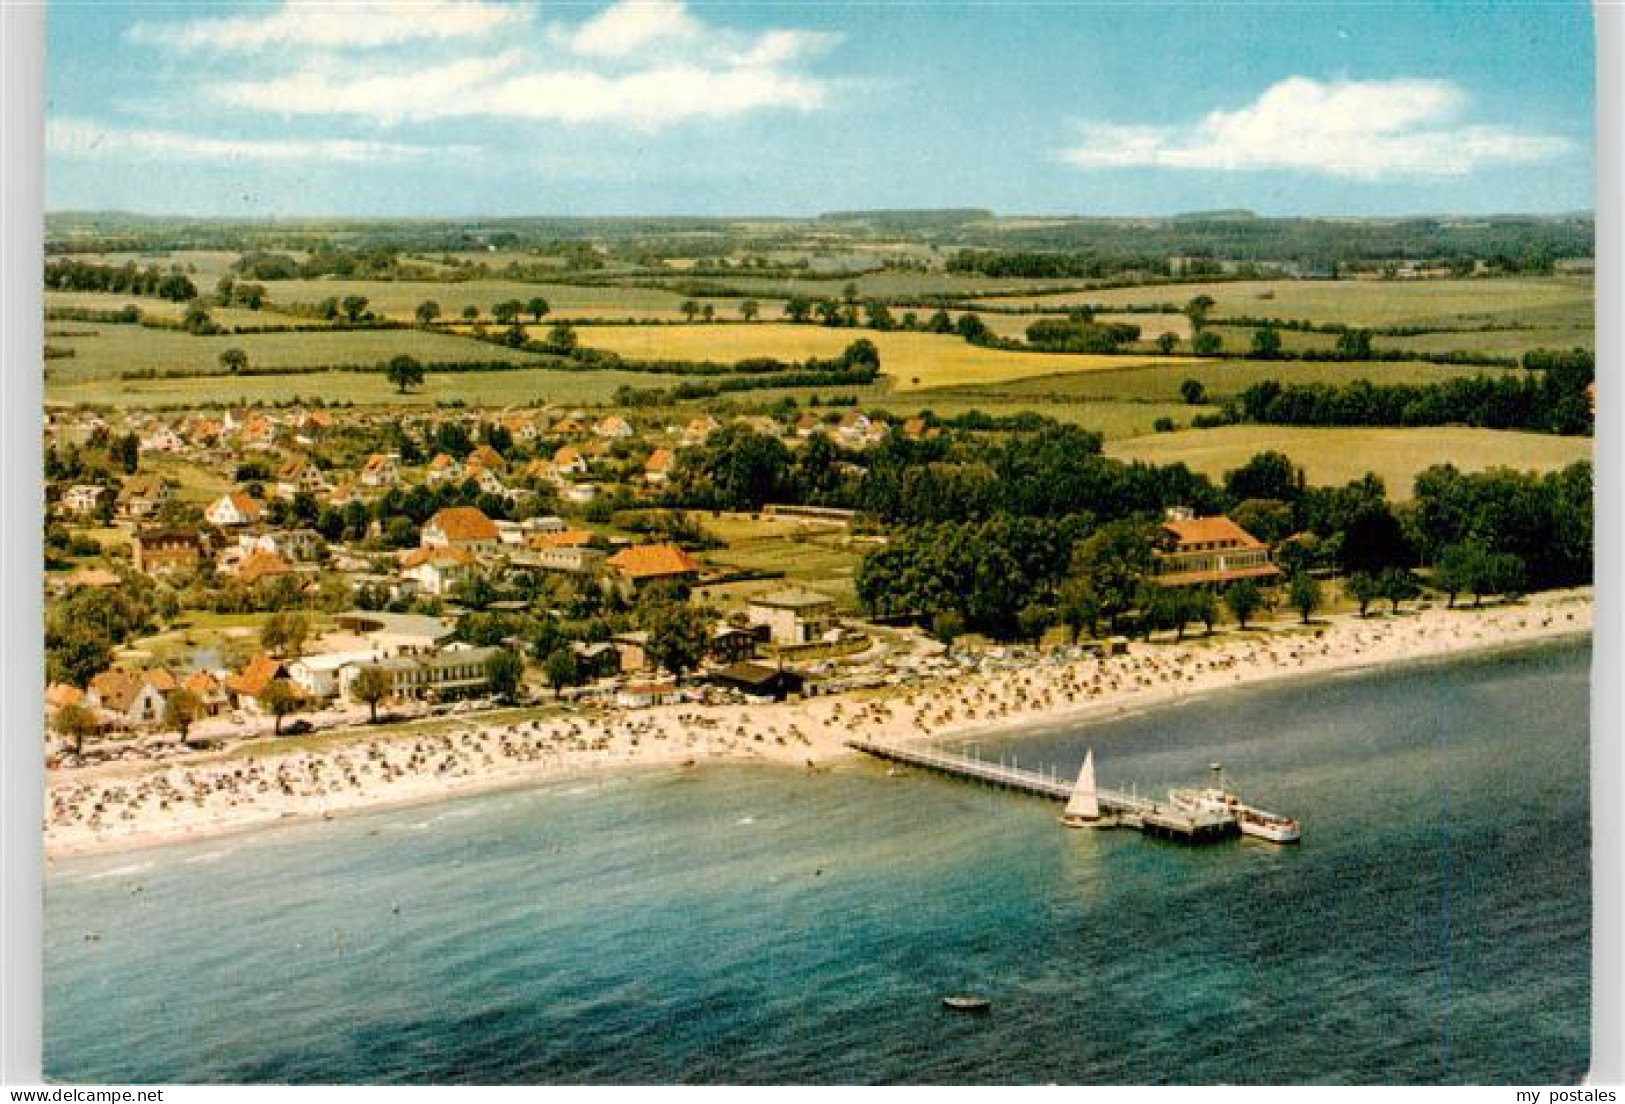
x: 1253, y: 821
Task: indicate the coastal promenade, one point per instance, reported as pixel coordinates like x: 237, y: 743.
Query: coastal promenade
x: 126, y: 805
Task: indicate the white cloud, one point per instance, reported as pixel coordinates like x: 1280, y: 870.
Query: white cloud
x: 326, y: 24
x: 1354, y: 129
x: 645, y: 99
x: 82, y: 139
x: 642, y: 64
x: 630, y: 25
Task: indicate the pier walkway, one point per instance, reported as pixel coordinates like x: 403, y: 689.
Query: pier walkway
x: 1119, y: 808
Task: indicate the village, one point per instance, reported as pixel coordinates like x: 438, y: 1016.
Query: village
x: 352, y: 612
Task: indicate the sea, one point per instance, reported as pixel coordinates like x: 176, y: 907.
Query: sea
x: 750, y: 925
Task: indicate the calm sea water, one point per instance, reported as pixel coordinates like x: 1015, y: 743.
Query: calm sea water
x: 761, y: 925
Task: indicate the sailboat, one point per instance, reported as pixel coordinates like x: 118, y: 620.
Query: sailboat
x: 1083, y: 807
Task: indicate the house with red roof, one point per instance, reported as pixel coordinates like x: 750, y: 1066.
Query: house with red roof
x: 1211, y: 551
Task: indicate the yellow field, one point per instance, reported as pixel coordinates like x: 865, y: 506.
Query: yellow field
x: 1336, y: 456
x: 914, y: 361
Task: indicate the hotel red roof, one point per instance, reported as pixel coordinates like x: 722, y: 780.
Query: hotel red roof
x: 1211, y: 530
x: 653, y: 561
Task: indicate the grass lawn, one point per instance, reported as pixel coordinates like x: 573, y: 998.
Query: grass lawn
x: 228, y: 634
x: 913, y: 361
x: 491, y: 389
x: 818, y: 556
x: 1365, y: 302
x: 1337, y: 456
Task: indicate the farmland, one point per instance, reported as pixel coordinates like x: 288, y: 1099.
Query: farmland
x: 108, y: 350
x: 1536, y: 302
x: 398, y: 299
x: 1336, y: 456
x: 511, y: 387
x: 914, y: 361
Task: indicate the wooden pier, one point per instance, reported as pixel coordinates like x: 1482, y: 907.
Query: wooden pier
x: 1118, y: 808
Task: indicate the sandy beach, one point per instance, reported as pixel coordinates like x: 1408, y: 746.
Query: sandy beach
x: 128, y: 805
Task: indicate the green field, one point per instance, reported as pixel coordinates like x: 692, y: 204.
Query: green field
x: 400, y: 298
x: 1220, y: 378
x: 914, y: 361
x: 511, y: 387
x: 160, y: 308
x: 1368, y: 302
x: 117, y: 349
x: 1336, y: 456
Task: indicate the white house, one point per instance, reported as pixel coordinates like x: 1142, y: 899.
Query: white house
x: 438, y: 571
x: 231, y: 509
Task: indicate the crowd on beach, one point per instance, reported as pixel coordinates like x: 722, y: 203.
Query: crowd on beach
x: 133, y: 804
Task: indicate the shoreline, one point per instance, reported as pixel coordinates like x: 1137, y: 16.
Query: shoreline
x: 122, y: 807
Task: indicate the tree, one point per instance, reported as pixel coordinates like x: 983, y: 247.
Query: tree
x: 1243, y: 599
x: 1166, y: 343
x: 1266, y: 344
x: 1197, y: 311
x: 797, y: 308
x: 280, y: 699
x: 1457, y: 570
x: 948, y: 626
x: 1115, y: 560
x: 125, y: 451
x: 1192, y: 391
x: 879, y: 315
x: 370, y: 686
x: 1354, y: 345
x: 1304, y: 594
x: 1203, y: 607
x: 971, y: 328
x: 537, y: 308
x: 940, y: 322
x: 285, y: 633
x: 1079, y: 609
x: 1033, y: 620
x: 404, y: 372
x: 561, y: 670
x: 561, y: 339
x: 507, y: 311
x: 749, y: 309
x: 1396, y: 585
x: 354, y: 306
x: 1207, y: 343
x: 75, y: 722
x: 1363, y: 588
x: 470, y: 313
x: 76, y: 650
x: 678, y: 636
x: 503, y: 671
x: 181, y: 708
x: 428, y: 311
x: 690, y: 309
x: 233, y: 360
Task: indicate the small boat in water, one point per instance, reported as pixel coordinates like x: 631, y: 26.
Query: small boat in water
x: 1217, y: 798
x: 1083, y: 807
x: 965, y: 1003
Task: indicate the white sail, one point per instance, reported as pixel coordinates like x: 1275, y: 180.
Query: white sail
x: 1083, y: 805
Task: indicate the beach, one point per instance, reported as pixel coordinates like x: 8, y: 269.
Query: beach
x: 130, y: 805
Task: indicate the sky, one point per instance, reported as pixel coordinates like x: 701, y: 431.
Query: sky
x: 437, y: 108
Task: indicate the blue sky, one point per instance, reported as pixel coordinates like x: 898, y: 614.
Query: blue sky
x: 667, y: 107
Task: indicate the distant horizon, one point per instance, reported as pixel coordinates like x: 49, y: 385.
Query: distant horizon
x: 858, y: 212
